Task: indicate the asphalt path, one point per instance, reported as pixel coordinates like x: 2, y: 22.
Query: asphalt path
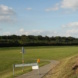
x: 41, y: 72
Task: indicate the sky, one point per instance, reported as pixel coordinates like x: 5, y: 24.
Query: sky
x: 39, y: 17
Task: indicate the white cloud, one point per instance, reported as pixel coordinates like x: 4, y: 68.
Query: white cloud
x: 7, y: 19
x: 72, y: 24
x: 71, y: 29
x: 72, y: 32
x: 5, y: 10
x: 6, y: 33
x: 55, y: 8
x: 67, y: 33
x: 69, y: 4
x: 65, y: 4
x: 6, y: 13
x: 21, y: 30
x: 36, y: 32
x: 28, y: 9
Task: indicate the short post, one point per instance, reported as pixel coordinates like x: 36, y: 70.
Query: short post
x: 38, y: 71
x: 22, y: 58
x: 13, y: 70
x: 38, y: 61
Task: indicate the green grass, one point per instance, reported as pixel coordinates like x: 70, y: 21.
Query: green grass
x: 12, y: 55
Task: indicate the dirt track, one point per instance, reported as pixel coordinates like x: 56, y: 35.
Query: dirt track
x: 43, y: 70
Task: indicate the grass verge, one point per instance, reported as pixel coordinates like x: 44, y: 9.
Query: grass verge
x: 64, y: 69
x: 18, y: 71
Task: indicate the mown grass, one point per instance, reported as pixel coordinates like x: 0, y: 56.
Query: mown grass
x: 12, y: 55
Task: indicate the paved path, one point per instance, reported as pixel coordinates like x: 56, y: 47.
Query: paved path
x: 43, y: 70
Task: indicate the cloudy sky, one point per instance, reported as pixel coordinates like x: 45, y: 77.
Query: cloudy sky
x: 39, y: 17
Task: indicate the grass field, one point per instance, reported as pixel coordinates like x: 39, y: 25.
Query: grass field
x: 12, y: 55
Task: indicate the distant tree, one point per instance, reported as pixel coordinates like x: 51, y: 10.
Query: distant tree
x: 31, y: 40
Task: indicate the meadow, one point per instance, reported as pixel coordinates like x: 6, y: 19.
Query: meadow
x: 12, y: 55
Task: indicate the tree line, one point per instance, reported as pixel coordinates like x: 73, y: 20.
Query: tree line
x: 31, y: 40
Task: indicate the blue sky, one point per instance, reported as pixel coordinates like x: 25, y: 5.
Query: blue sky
x: 39, y: 17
